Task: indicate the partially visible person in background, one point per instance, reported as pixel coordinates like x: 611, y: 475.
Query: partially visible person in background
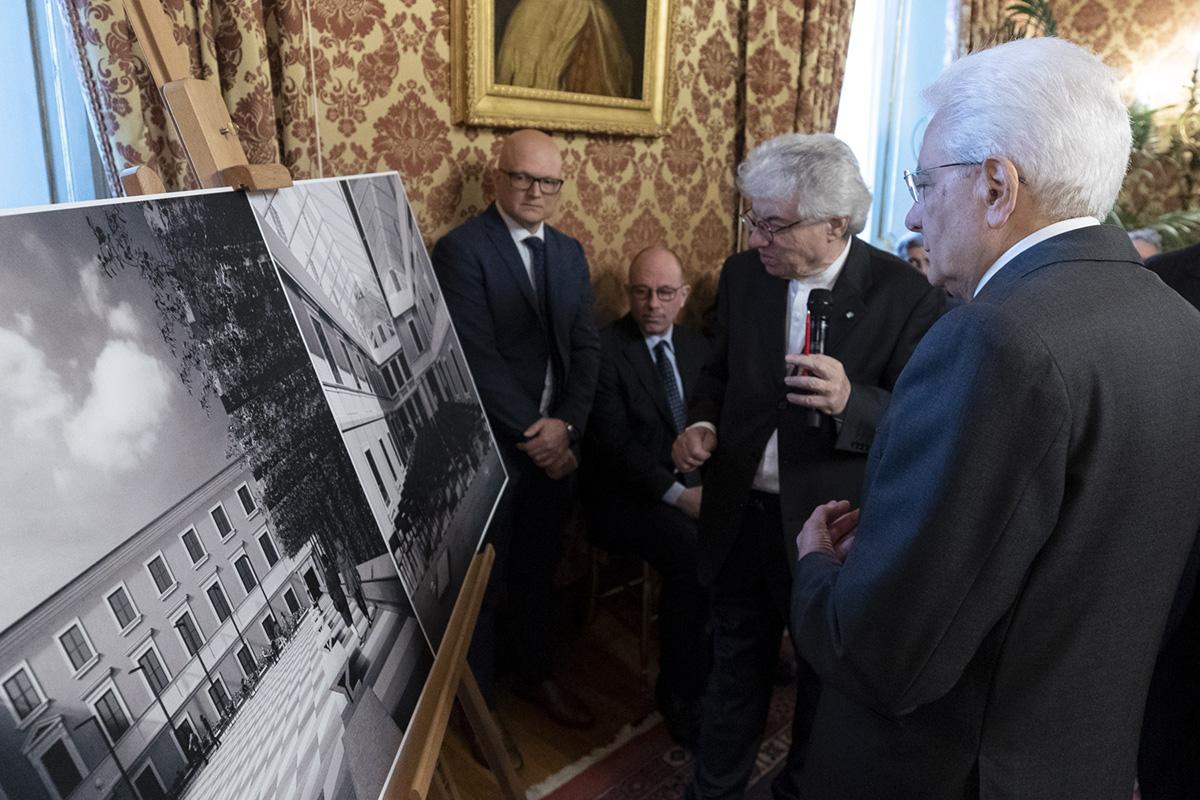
x: 912, y: 249
x: 1146, y: 241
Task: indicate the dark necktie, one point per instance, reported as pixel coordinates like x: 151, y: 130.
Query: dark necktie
x: 670, y: 385
x: 541, y: 289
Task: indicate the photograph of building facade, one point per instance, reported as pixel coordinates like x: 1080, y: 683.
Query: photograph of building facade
x: 195, y: 600
x: 366, y: 302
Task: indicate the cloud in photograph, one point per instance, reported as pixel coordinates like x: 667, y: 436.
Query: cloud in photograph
x: 24, y: 323
x: 31, y: 392
x: 119, y: 423
x: 123, y: 320
x: 91, y: 282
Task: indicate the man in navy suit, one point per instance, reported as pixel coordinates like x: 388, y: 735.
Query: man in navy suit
x: 1030, y: 499
x: 636, y: 501
x: 521, y: 300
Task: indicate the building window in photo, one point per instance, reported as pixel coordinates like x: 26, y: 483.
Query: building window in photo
x: 378, y: 478
x: 163, y: 579
x: 246, y: 573
x: 149, y: 786
x: 111, y: 714
x: 152, y: 670
x: 218, y: 695
x: 61, y: 768
x: 293, y: 604
x: 247, y: 499
x: 268, y: 548
x: 221, y: 520
x: 195, y: 549
x: 76, y: 646
x: 220, y: 604
x: 246, y: 659
x: 22, y: 694
x: 189, y: 633
x: 122, y: 607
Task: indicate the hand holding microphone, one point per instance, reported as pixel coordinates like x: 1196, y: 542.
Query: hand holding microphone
x: 822, y: 378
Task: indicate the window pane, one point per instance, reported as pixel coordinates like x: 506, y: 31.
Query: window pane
x: 246, y: 658
x: 221, y: 521
x: 61, y: 768
x: 268, y: 548
x: 247, y: 499
x: 246, y: 573
x: 21, y: 693
x: 191, y: 540
x: 112, y: 716
x: 148, y: 786
x: 293, y: 604
x: 153, y: 670
x: 388, y: 459
x: 219, y: 696
x: 122, y: 609
x: 190, y: 634
x: 160, y: 574
x: 77, y: 649
x: 220, y: 605
x: 378, y: 478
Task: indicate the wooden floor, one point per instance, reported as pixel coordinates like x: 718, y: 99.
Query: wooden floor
x: 599, y: 662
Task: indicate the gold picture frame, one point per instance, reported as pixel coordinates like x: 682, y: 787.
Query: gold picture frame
x: 527, y: 41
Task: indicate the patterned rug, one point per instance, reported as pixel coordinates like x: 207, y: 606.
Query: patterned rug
x: 644, y: 764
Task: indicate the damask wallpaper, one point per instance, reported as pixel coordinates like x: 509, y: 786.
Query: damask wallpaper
x: 339, y: 87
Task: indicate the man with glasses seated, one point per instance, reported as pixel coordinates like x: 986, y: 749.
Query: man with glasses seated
x: 520, y: 297
x: 776, y: 437
x: 636, y: 502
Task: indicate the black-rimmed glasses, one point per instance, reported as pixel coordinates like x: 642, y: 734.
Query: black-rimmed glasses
x: 768, y: 229
x: 664, y: 293
x: 523, y: 181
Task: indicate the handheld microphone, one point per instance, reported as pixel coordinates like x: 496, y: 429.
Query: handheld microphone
x: 820, y: 309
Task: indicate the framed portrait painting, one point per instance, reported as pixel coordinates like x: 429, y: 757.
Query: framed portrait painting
x: 585, y: 65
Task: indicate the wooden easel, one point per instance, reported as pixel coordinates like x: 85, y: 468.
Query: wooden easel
x: 210, y: 140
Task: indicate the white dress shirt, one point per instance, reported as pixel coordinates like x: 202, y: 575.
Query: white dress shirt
x: 519, y: 234
x: 1040, y: 235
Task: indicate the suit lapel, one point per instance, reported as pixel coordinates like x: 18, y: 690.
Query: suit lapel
x: 642, y: 364
x: 557, y: 303
x: 687, y: 359
x: 848, y: 305
x: 502, y: 240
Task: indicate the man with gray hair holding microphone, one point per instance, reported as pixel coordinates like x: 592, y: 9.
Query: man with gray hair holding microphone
x: 766, y: 461
x: 987, y: 627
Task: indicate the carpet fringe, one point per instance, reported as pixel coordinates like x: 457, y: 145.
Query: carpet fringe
x: 545, y: 787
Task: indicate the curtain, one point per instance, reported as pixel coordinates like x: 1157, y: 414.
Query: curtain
x: 255, y: 50
x: 795, y: 61
x: 978, y: 23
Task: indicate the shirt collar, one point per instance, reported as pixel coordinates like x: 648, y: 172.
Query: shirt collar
x: 653, y: 340
x: 1040, y: 235
x: 826, y: 278
x: 518, y: 231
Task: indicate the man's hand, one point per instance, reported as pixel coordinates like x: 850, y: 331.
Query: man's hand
x: 823, y: 378
x: 562, y: 467
x: 693, y: 447
x: 546, y: 442
x: 689, y: 501
x: 830, y: 530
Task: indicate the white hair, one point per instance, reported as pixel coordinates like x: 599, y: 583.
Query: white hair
x: 1052, y: 108
x: 817, y: 171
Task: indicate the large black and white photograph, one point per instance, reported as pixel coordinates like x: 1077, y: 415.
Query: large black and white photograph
x: 367, y: 304
x: 195, y: 598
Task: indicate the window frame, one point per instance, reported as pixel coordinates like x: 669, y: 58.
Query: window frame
x: 216, y: 580
x: 34, y: 712
x: 149, y: 765
x: 249, y: 492
x: 186, y: 611
x: 224, y: 537
x: 91, y: 661
x: 34, y: 756
x: 162, y: 593
x: 204, y: 554
x: 266, y: 533
x: 295, y: 597
x: 94, y: 697
x: 141, y: 650
x: 238, y: 556
x: 121, y: 586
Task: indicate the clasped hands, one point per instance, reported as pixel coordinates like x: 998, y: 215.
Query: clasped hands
x: 830, y: 529
x: 549, y: 445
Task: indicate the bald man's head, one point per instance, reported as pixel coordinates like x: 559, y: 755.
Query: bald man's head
x: 530, y: 176
x: 657, y: 292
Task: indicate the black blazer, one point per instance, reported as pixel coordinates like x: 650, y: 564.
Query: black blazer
x: 495, y: 313
x: 628, y: 446
x: 1179, y: 269
x: 1030, y: 503
x: 881, y: 308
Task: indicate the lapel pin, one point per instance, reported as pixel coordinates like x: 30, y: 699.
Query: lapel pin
x: 849, y: 315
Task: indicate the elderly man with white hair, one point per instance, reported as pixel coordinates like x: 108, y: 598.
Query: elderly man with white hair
x: 986, y: 624
x: 767, y: 462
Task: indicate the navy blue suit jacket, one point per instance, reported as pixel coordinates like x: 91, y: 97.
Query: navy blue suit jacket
x: 495, y: 312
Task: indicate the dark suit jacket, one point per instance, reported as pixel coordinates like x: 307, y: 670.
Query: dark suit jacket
x: 628, y: 447
x: 881, y: 308
x: 1029, y: 506
x: 495, y: 313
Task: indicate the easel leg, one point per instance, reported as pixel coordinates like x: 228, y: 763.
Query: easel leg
x: 484, y: 725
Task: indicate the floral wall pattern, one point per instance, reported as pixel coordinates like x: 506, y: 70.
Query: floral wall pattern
x: 340, y: 87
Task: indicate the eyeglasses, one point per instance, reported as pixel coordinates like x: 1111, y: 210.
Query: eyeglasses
x: 523, y: 181
x: 663, y: 293
x: 916, y: 191
x: 767, y: 229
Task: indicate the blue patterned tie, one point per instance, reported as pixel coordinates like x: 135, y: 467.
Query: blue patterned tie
x: 667, y: 374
